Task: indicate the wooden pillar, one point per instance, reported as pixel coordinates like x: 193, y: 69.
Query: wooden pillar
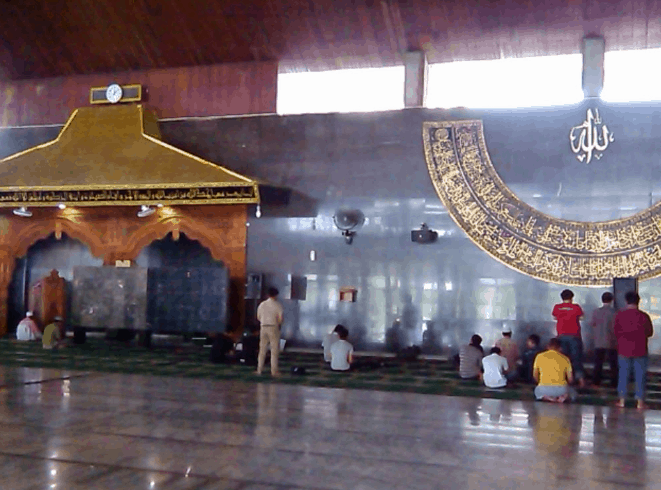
x: 7, y: 263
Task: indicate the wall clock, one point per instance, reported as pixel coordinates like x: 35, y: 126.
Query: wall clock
x: 114, y: 93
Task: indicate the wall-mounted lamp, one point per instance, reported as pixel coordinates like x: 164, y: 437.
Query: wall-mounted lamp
x: 145, y: 211
x: 258, y: 211
x: 313, y: 255
x: 23, y: 212
x: 346, y: 220
x: 61, y: 205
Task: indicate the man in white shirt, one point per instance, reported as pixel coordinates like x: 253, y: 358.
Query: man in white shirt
x: 495, y: 367
x: 341, y: 351
x: 270, y: 315
x: 27, y: 329
x: 330, y: 339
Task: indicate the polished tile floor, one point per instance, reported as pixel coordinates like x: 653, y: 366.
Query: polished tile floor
x: 70, y: 431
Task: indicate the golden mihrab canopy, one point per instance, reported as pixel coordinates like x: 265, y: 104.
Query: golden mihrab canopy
x: 113, y: 155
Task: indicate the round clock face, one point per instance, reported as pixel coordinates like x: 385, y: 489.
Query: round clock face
x: 113, y: 93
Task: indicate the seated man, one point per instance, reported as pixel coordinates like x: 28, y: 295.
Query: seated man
x: 329, y: 340
x: 341, y: 352
x: 470, y: 359
x: 27, y: 328
x: 495, y: 366
x: 222, y: 348
x: 528, y: 358
x: 552, y: 370
x: 509, y: 349
x: 52, y: 334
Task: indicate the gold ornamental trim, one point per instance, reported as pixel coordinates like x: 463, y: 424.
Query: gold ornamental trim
x: 114, y: 156
x: 574, y: 253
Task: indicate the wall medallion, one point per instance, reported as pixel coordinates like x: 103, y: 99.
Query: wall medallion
x: 541, y: 246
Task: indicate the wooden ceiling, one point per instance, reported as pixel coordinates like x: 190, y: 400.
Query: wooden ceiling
x: 50, y: 38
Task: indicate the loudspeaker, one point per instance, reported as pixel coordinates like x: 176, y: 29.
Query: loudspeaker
x: 621, y: 286
x: 424, y: 235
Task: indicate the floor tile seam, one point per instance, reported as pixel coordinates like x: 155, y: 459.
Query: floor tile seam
x: 353, y: 457
x: 228, y: 444
x: 116, y: 467
x: 10, y: 386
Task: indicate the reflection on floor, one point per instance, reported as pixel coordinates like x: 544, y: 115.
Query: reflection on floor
x: 105, y: 431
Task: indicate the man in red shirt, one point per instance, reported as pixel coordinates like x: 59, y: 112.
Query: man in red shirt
x: 632, y: 329
x: 568, y: 316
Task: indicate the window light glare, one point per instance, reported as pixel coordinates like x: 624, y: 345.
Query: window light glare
x: 540, y: 81
x: 631, y: 76
x: 355, y: 90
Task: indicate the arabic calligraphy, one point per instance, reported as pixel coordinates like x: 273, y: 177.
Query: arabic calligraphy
x: 208, y: 195
x: 555, y: 250
x: 586, y: 140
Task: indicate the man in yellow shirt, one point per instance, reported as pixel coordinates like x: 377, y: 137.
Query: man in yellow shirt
x: 553, y: 373
x: 52, y: 337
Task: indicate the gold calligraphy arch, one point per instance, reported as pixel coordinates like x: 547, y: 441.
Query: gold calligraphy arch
x: 560, y: 251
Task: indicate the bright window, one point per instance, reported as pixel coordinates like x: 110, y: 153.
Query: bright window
x: 358, y: 90
x: 632, y: 76
x: 506, y: 83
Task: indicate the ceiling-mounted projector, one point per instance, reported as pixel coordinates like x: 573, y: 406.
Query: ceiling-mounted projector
x: 423, y: 235
x: 145, y: 211
x: 23, y: 211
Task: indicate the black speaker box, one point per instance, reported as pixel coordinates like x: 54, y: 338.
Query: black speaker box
x: 621, y: 286
x: 423, y: 236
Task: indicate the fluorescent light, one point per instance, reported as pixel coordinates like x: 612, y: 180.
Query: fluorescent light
x: 540, y: 81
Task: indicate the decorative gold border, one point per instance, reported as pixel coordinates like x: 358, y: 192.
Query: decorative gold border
x: 519, y: 236
x: 138, y: 98
x: 218, y: 194
x: 242, y: 191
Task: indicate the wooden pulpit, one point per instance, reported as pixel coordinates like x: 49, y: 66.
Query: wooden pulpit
x: 48, y: 299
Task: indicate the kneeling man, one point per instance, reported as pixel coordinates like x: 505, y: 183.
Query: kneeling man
x: 552, y: 370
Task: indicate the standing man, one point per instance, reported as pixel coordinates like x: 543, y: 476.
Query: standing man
x: 568, y: 316
x: 605, y: 343
x: 269, y: 314
x: 509, y: 350
x: 632, y: 329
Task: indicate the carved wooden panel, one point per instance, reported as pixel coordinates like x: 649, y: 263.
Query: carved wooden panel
x: 116, y: 233
x: 47, y: 299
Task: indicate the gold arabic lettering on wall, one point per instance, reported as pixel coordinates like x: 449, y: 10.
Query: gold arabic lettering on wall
x: 205, y: 195
x: 555, y: 250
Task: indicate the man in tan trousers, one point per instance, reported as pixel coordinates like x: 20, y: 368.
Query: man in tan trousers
x: 269, y: 314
